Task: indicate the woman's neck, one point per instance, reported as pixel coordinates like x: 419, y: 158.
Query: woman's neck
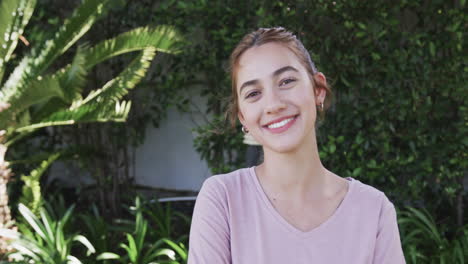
x: 298, y: 174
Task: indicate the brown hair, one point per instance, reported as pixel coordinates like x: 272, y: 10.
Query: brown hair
x: 290, y: 41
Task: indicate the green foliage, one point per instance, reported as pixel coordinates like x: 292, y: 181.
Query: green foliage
x: 52, y: 237
x: 29, y: 84
x: 139, y: 250
x: 424, y: 241
x: 14, y: 16
x: 166, y: 222
x: 221, y: 148
x: 40, y: 92
x: 31, y: 192
x: 45, y: 239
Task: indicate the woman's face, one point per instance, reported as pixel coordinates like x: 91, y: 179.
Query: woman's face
x: 277, y: 103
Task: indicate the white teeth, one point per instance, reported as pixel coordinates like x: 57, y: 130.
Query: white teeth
x: 280, y: 124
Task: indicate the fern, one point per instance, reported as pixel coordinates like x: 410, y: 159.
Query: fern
x: 31, y: 192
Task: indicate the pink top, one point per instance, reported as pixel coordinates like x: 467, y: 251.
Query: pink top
x: 234, y: 222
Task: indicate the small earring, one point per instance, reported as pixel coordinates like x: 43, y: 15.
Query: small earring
x: 321, y: 106
x: 244, y: 130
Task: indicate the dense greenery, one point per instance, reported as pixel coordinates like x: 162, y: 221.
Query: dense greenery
x: 43, y: 89
x: 60, y: 235
x: 149, y: 233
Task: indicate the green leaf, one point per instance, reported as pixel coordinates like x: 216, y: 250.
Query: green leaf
x: 107, y: 255
x: 72, y: 78
x: 31, y: 193
x: 181, y: 251
x: 14, y: 16
x: 73, y: 260
x: 33, y: 221
x: 37, y: 91
x: 356, y: 172
x: 72, y: 29
x: 432, y: 49
x: 83, y: 240
x: 162, y: 38
x: 332, y: 148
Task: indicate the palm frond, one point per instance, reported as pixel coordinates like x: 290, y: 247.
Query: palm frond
x: 72, y: 79
x: 116, y: 88
x: 73, y: 76
x: 72, y: 29
x: 14, y: 16
x: 84, y: 114
x: 163, y: 38
x: 102, y: 105
x: 41, y: 57
x: 39, y: 91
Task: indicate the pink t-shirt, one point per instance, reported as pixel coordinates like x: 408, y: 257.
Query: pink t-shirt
x: 234, y: 222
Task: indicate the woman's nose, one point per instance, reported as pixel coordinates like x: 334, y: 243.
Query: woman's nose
x: 274, y: 103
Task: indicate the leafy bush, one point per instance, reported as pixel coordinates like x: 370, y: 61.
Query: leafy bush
x: 424, y: 241
x: 139, y: 251
x: 52, y: 237
x: 38, y: 93
x: 45, y: 239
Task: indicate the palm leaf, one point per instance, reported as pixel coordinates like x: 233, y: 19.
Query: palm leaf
x: 39, y: 90
x: 163, y: 38
x: 73, y: 77
x: 14, y: 16
x: 37, y: 62
x: 84, y: 114
x: 116, y: 88
x: 102, y: 105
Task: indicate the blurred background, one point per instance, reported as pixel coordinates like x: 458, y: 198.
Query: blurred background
x: 113, y: 114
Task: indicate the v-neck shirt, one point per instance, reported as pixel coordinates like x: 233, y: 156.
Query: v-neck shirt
x: 235, y: 222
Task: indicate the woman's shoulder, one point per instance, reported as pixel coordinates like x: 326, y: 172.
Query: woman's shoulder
x: 367, y: 196
x: 227, y: 182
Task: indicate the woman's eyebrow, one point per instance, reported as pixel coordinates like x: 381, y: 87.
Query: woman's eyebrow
x: 274, y: 74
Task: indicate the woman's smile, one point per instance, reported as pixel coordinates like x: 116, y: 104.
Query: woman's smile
x: 280, y: 125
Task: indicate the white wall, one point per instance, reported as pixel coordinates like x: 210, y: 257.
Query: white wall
x: 167, y: 158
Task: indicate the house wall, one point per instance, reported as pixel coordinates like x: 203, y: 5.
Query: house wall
x: 167, y: 159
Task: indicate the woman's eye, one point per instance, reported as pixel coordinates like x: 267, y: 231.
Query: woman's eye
x: 287, y: 81
x: 252, y: 94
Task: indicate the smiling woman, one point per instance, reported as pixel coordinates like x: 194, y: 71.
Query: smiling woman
x: 290, y: 208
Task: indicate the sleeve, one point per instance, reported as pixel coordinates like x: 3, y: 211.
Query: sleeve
x: 388, y: 248
x: 209, y: 240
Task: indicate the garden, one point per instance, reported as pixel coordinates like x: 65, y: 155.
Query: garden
x: 81, y: 80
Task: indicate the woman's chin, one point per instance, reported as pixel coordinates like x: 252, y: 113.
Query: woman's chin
x: 282, y: 148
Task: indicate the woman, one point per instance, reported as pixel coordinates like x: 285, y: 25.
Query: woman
x: 290, y: 208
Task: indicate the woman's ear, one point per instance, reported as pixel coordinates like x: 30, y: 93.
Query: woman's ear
x: 241, y: 117
x: 320, y: 91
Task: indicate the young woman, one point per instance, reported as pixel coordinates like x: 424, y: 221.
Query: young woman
x: 290, y: 208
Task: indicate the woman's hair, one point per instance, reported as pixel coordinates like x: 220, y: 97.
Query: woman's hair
x: 285, y: 38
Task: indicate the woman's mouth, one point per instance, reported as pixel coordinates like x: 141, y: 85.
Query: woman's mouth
x: 281, y: 126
